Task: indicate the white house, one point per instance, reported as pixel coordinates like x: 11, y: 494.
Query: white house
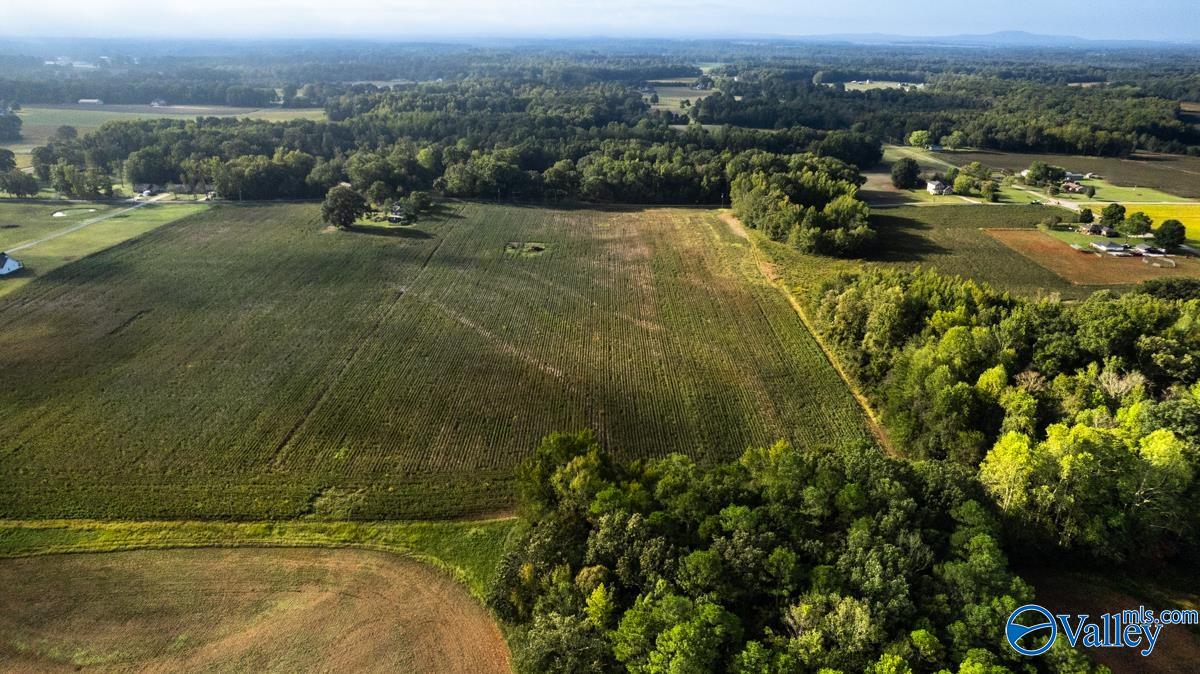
x: 90, y: 101
x: 938, y: 187
x: 8, y: 265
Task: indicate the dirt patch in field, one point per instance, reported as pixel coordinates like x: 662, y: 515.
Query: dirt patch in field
x: 1087, y: 268
x: 269, y: 609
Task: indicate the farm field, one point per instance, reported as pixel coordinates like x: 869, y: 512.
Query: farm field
x: 1087, y: 268
x: 672, y: 92
x: 1173, y: 174
x: 39, y: 122
x: 241, y: 609
x: 245, y: 363
x: 951, y: 239
x: 44, y: 243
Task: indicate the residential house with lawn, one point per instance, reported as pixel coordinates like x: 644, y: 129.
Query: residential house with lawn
x: 938, y: 187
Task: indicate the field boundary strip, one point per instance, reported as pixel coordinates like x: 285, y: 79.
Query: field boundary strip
x: 873, y: 422
x: 97, y: 537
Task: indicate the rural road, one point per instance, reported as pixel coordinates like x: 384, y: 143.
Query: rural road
x: 79, y: 226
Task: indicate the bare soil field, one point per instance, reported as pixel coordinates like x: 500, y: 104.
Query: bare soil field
x: 247, y: 609
x: 1087, y: 268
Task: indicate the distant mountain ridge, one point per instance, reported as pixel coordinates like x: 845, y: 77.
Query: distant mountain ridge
x: 1007, y: 38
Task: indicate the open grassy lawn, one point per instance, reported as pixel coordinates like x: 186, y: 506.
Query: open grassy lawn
x: 245, y: 363
x: 283, y: 609
x: 44, y: 243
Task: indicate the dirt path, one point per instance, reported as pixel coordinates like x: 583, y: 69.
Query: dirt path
x: 769, y: 273
x: 244, y: 609
x: 81, y: 225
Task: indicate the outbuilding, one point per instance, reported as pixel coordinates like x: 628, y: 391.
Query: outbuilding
x: 9, y: 265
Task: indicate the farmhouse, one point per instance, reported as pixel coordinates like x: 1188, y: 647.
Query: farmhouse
x: 1073, y: 187
x: 938, y: 187
x: 8, y: 265
x: 90, y: 101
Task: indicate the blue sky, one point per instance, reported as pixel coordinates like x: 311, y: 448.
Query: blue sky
x: 406, y: 19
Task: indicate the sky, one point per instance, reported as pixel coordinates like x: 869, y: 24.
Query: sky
x: 1169, y: 20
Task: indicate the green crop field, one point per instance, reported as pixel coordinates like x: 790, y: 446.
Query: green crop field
x: 247, y: 363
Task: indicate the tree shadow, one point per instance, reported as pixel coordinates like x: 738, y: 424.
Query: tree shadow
x: 394, y: 232
x: 900, y: 239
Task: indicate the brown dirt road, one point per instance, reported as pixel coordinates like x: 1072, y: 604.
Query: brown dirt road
x: 244, y: 609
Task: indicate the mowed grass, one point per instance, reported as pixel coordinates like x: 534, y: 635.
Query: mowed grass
x: 246, y: 364
x: 21, y: 222
x: 44, y: 243
x: 282, y: 610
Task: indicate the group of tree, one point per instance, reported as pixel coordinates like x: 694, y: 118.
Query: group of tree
x: 10, y: 122
x: 1169, y: 234
x: 1083, y: 418
x: 784, y: 560
x: 809, y: 202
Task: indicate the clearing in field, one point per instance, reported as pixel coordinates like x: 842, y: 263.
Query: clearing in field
x: 245, y: 364
x: 46, y: 237
x: 274, y: 609
x: 1089, y: 268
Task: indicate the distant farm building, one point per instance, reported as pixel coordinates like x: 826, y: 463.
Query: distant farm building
x: 938, y: 187
x: 8, y: 265
x: 1073, y: 187
x: 91, y: 101
x: 1114, y: 249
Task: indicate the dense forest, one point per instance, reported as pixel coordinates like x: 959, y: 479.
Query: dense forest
x: 784, y: 560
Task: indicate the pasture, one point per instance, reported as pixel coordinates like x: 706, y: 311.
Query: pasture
x: 245, y: 363
x: 241, y: 609
x: 673, y: 92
